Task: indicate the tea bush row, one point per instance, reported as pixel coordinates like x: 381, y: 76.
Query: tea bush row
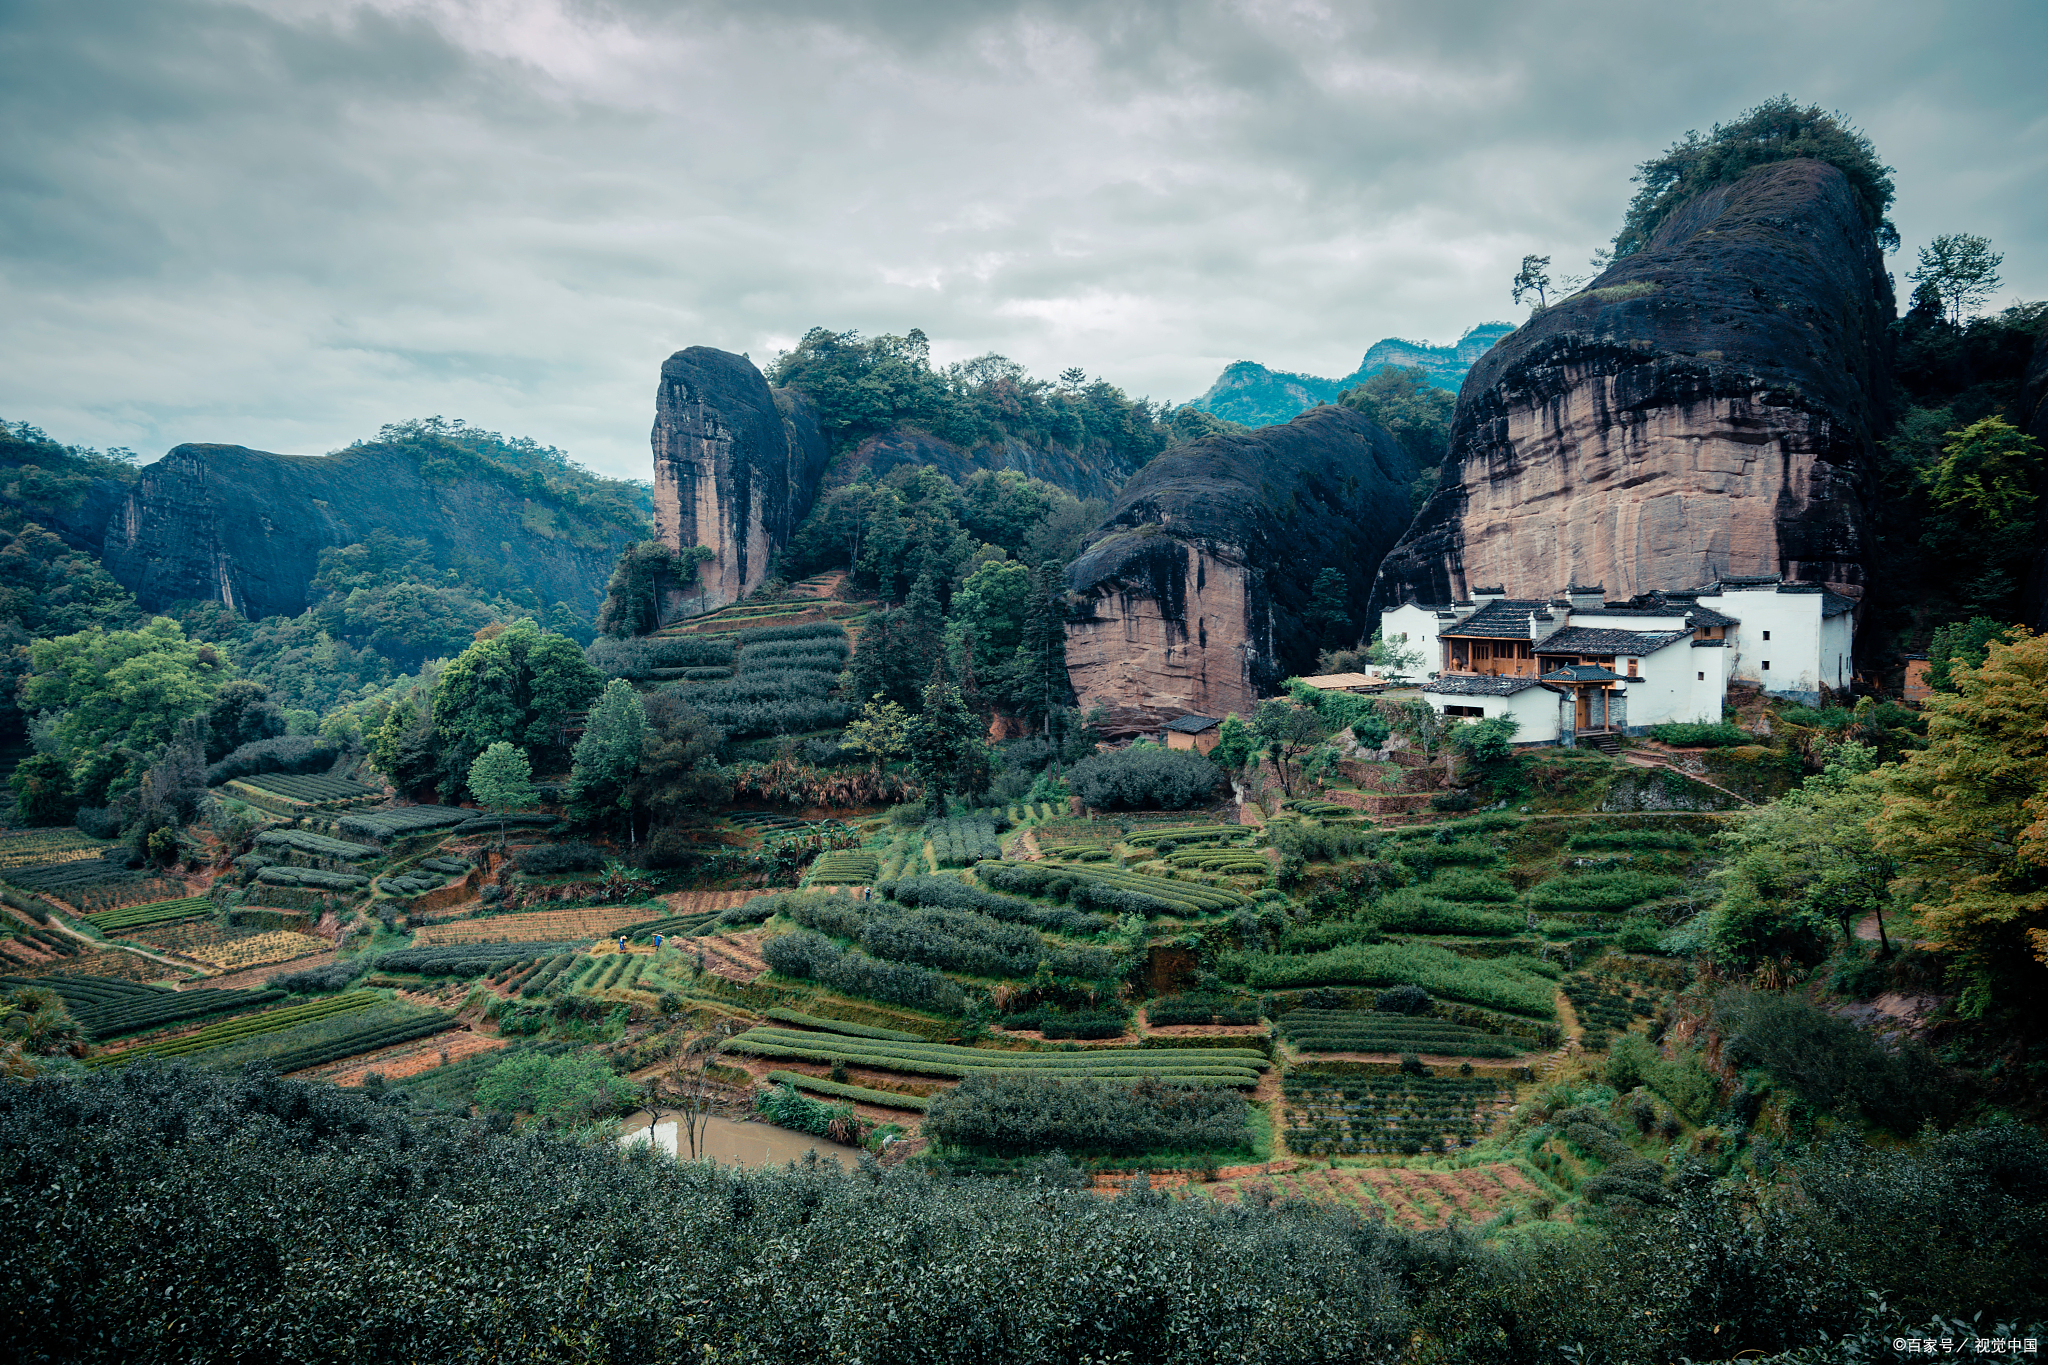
x: 841, y: 1091
x: 953, y: 894
x: 1015, y: 1115
x: 962, y: 841
x: 812, y: 956
x: 1515, y: 984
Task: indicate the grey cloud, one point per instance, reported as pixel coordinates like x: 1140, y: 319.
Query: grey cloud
x: 284, y: 224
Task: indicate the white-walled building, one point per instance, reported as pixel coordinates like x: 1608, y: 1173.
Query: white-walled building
x: 1792, y: 639
x: 1672, y: 654
x: 1575, y: 666
x: 1413, y: 626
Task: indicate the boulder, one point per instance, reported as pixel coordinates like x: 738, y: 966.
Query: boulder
x: 1706, y: 407
x: 1191, y: 596
x: 736, y: 468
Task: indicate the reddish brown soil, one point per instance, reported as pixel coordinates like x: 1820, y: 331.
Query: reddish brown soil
x: 406, y: 1059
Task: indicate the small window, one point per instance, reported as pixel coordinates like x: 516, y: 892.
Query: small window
x: 1464, y: 710
x: 1703, y: 677
x: 1767, y: 665
x: 1767, y: 635
x: 1632, y: 668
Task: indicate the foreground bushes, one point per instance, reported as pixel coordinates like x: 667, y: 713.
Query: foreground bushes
x: 158, y: 1215
x: 1017, y: 1114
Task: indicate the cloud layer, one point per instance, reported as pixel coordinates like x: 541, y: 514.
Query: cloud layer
x: 285, y: 224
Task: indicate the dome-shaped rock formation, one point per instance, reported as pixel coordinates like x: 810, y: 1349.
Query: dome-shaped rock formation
x: 1191, y: 596
x: 1707, y: 407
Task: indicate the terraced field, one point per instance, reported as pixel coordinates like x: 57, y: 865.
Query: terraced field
x: 1191, y: 1066
x: 1408, y: 1197
x: 565, y: 926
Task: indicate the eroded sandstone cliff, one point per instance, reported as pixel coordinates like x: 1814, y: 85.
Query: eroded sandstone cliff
x: 1708, y: 406
x: 736, y: 466
x: 1191, y: 596
x: 246, y: 527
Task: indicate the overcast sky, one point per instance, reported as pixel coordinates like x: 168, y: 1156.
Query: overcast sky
x: 284, y: 224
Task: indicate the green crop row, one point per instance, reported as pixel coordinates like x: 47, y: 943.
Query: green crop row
x: 839, y: 1091
x: 980, y: 1057
x: 314, y: 845
x: 360, y: 1041
x: 1223, y: 1065
x: 952, y: 1071
x: 155, y: 912
x: 233, y: 1030
x: 844, y: 869
x: 840, y: 1026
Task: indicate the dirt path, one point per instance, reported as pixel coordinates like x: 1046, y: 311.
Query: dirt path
x: 61, y: 927
x: 1637, y: 760
x: 252, y: 978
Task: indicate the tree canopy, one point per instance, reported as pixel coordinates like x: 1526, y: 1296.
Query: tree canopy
x: 519, y: 686
x: 122, y: 686
x: 1776, y: 130
x: 1967, y: 818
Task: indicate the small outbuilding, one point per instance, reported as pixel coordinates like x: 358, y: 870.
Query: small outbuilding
x: 1199, y: 733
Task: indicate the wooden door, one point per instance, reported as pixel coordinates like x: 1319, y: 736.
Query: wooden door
x: 1585, y: 720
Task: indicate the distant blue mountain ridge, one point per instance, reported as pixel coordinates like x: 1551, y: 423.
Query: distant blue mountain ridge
x: 1250, y: 393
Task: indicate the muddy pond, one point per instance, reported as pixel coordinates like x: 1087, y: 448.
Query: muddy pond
x: 736, y: 1144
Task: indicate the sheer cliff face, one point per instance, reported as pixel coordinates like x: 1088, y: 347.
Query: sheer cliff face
x: 246, y: 527
x: 1191, y: 596
x: 736, y: 467
x: 1706, y: 407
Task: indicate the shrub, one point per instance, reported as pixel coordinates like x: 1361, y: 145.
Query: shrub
x: 785, y: 1107
x: 544, y: 859
x: 1453, y: 801
x: 285, y: 754
x: 1144, y: 777
x: 1403, y: 1000
x: 100, y: 822
x: 1012, y: 1115
x: 1693, y: 734
x: 1831, y: 1063
x: 334, y: 976
x: 567, y: 1089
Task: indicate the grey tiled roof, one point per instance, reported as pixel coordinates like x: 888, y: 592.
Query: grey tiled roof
x: 1476, y: 685
x: 1192, y: 725
x: 1710, y: 644
x: 1504, y: 620
x: 1587, y: 640
x: 1583, y: 673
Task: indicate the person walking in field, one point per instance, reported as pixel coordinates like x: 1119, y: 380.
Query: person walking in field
x: 657, y: 943
x: 622, y: 943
